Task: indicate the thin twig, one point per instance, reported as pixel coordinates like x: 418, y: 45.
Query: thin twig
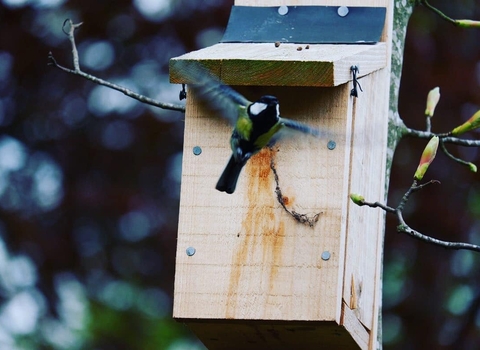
x: 451, y: 156
x: 378, y: 205
x: 459, y: 23
x: 445, y: 137
x: 438, y: 12
x: 406, y: 196
x: 79, y: 72
x: 461, y: 142
x: 71, y: 36
x: 416, y: 187
x: 426, y: 134
x: 428, y: 124
x: 404, y: 228
x: 301, y: 218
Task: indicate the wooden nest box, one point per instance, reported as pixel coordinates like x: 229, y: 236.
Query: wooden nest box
x: 249, y: 273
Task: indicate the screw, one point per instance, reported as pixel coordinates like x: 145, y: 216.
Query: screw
x: 190, y: 251
x: 197, y: 150
x: 331, y: 145
x: 283, y: 10
x: 342, y: 11
x: 326, y: 255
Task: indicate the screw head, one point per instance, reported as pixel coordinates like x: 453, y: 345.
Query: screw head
x: 331, y: 145
x: 190, y: 251
x: 342, y: 11
x: 197, y: 150
x: 283, y: 10
x: 325, y: 255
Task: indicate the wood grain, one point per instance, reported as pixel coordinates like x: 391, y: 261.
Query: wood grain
x: 264, y: 64
x: 270, y: 265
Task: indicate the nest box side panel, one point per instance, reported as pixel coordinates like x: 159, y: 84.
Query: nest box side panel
x: 364, y: 249
x: 365, y: 227
x: 252, y: 260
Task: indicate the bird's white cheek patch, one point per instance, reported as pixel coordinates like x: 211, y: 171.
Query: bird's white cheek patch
x: 257, y: 108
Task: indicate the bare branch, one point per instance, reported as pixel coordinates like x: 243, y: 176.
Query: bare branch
x: 437, y: 11
x: 404, y: 228
x: 70, y: 33
x: 416, y: 187
x: 378, y: 205
x: 428, y: 124
x: 451, y: 156
x: 465, y: 23
x: 426, y: 134
x: 79, y: 72
x: 460, y: 142
x: 406, y: 197
x: 445, y: 137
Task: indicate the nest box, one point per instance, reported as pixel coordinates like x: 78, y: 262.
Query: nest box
x: 249, y: 273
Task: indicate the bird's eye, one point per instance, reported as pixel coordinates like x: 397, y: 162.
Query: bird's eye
x: 257, y: 108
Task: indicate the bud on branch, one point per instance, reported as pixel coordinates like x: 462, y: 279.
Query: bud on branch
x: 470, y: 124
x: 427, y: 158
x: 357, y: 199
x: 467, y: 23
x: 432, y: 100
x: 472, y: 167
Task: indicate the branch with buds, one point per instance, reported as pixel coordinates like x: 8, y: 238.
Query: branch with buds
x: 463, y: 23
x: 451, y: 136
x: 426, y: 159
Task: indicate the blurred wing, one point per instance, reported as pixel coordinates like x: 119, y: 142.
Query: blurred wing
x: 221, y: 98
x: 291, y: 129
x: 291, y: 124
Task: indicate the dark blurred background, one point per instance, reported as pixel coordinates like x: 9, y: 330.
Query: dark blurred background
x: 90, y: 179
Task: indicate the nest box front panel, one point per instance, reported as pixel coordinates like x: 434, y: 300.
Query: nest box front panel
x: 242, y: 255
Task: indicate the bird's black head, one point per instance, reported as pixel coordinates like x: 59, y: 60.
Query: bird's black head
x: 266, y: 107
x: 267, y: 99
x: 264, y: 114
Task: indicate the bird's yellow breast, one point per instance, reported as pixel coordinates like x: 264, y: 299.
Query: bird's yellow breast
x: 244, y: 125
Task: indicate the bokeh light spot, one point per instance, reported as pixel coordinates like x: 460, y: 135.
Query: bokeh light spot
x: 97, y: 55
x: 134, y: 226
x: 153, y: 10
x: 117, y: 135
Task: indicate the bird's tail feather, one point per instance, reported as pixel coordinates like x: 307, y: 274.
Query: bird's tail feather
x: 229, y: 178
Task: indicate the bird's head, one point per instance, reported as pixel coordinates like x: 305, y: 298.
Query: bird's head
x: 265, y: 106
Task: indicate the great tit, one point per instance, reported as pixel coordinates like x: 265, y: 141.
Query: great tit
x: 256, y: 124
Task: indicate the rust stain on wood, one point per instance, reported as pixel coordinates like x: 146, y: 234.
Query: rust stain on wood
x: 262, y: 235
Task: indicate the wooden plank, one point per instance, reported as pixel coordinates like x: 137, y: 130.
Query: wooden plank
x: 367, y: 177
x: 354, y: 327
x: 267, y: 65
x: 365, y: 227
x: 253, y: 260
